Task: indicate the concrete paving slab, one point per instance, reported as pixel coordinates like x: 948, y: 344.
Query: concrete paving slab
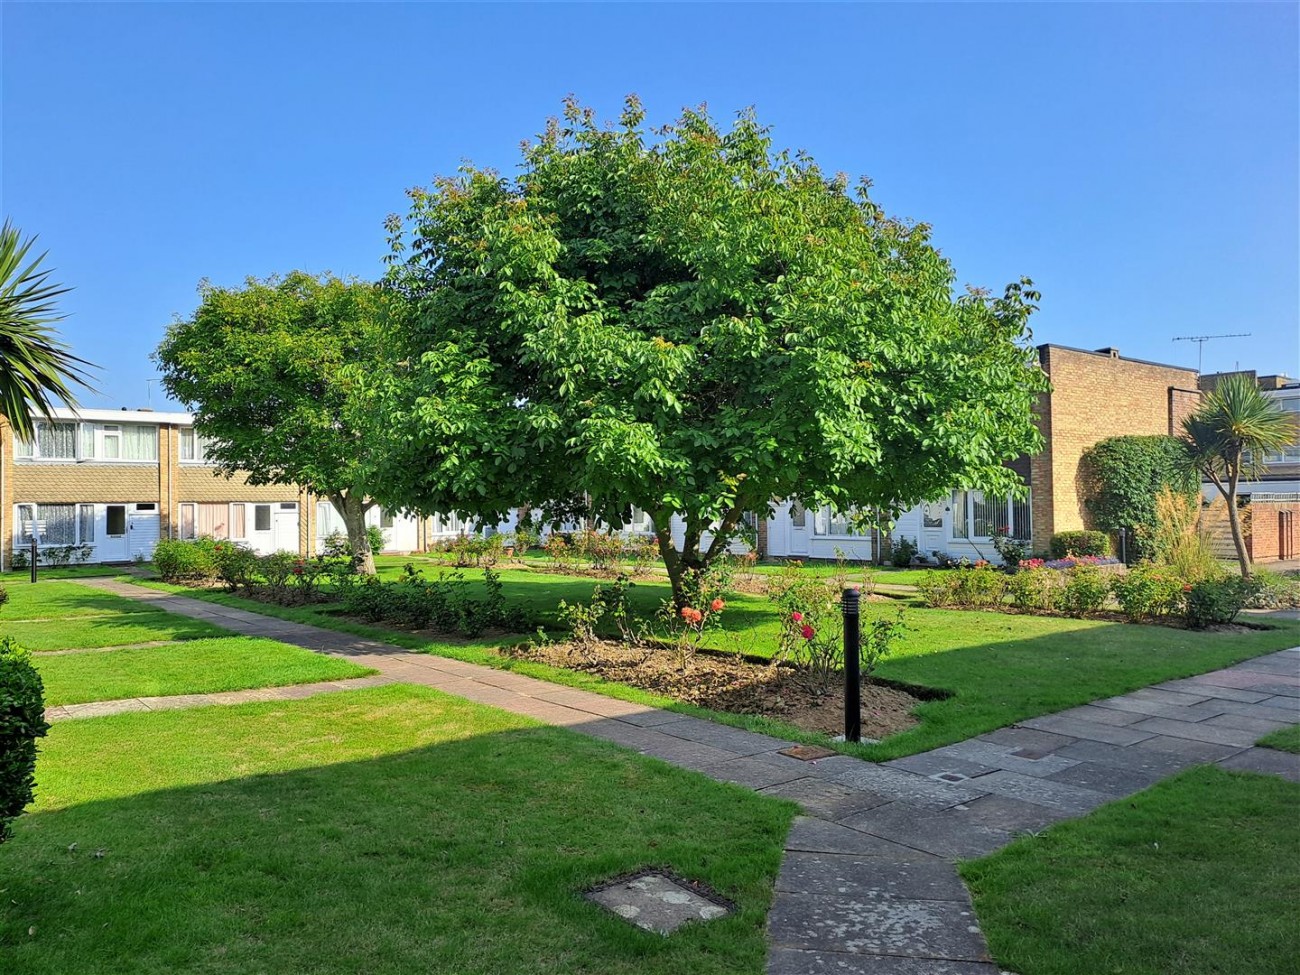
x: 939, y: 762
x: 1269, y: 761
x: 1260, y: 726
x: 1090, y: 730
x: 916, y: 789
x: 952, y: 834
x: 873, y: 877
x: 1111, y: 716
x: 656, y: 902
x: 1190, y: 687
x: 1012, y: 816
x: 1196, y: 731
x: 1196, y: 752
x: 1043, y: 792
x: 1022, y: 737
x: 1003, y: 757
x: 752, y: 772
x: 809, y: 835
x: 801, y: 961
x: 1107, y: 779
x: 883, y: 926
x: 826, y: 800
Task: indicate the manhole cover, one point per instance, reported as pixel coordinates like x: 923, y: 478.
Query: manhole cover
x: 808, y: 753
x: 657, y: 901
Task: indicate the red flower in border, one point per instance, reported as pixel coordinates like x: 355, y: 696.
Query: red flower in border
x: 808, y: 632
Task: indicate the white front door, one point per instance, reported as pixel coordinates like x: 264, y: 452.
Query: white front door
x: 261, y: 534
x: 143, y: 532
x: 114, y: 545
x: 285, y: 526
x: 800, y: 528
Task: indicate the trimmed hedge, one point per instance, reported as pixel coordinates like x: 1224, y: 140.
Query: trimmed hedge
x: 1080, y: 543
x: 22, y: 721
x: 1122, y: 477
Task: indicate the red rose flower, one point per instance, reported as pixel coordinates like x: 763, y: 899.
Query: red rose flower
x: 797, y: 617
x: 808, y: 632
x: 717, y: 605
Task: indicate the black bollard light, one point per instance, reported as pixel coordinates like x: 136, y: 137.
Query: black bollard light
x: 849, y: 603
x: 34, y: 554
x: 1123, y: 546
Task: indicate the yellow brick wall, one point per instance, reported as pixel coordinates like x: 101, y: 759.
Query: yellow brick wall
x: 1095, y: 396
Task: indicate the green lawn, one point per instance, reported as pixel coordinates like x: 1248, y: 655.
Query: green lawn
x: 65, y: 572
x: 394, y: 830
x: 57, y: 600
x: 192, y: 667
x: 998, y: 667
x: 1284, y: 739
x: 1198, y: 875
x: 107, y: 631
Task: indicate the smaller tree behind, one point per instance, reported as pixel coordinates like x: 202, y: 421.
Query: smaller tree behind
x: 22, y: 721
x: 1125, y: 476
x: 271, y: 373
x: 1227, y: 439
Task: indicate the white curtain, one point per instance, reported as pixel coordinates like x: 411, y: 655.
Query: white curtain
x: 58, y: 524
x: 139, y: 443
x: 57, y: 440
x: 87, y: 523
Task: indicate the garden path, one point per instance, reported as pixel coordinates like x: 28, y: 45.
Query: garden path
x: 868, y: 882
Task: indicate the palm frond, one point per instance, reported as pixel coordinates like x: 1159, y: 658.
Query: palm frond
x: 36, y: 367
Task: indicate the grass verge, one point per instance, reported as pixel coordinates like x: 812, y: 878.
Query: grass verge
x: 1198, y: 875
x: 1284, y: 740
x: 389, y: 830
x: 999, y: 668
x: 193, y: 667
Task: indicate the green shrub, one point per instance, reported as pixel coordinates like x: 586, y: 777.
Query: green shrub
x: 443, y: 604
x: 4, y: 595
x: 938, y: 589
x: 1125, y: 475
x: 1148, y: 592
x: 901, y: 552
x: 980, y: 587
x: 1274, y: 590
x: 22, y: 721
x: 1217, y: 601
x: 1065, y: 544
x: 1084, y: 592
x: 1035, y: 590
x: 186, y: 561
x: 236, y: 565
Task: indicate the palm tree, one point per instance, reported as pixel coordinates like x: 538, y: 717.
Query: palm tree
x: 35, y: 367
x: 1227, y: 439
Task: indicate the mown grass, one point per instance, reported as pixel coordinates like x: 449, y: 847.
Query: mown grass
x: 997, y: 668
x: 76, y: 633
x: 1284, y: 739
x: 393, y: 830
x: 58, y: 600
x: 1198, y: 875
x: 192, y: 667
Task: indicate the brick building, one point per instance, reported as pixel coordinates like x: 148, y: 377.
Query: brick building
x: 119, y: 480
x: 1094, y: 395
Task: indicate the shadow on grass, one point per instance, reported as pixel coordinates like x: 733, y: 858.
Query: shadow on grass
x: 463, y: 856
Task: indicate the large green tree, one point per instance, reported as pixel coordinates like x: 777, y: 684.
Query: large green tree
x: 272, y: 371
x: 36, y: 369
x: 1228, y: 437
x: 1123, y: 476
x: 695, y: 324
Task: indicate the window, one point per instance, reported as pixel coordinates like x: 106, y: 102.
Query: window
x: 188, y: 521
x: 115, y: 520
x: 639, y: 521
x: 54, y: 524
x: 239, y: 521
x: 976, y: 516
x: 261, y: 518
x: 86, y: 523
x: 139, y: 442
x: 932, y: 515
x: 829, y: 522
x: 798, y: 515
x: 111, y: 442
x: 385, y: 518
x: 54, y: 441
x: 193, y: 447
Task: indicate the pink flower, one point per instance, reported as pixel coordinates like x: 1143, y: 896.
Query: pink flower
x: 691, y: 615
x: 808, y: 632
x: 717, y: 606
x: 797, y: 617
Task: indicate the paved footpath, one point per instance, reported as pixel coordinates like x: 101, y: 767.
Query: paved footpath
x: 868, y: 882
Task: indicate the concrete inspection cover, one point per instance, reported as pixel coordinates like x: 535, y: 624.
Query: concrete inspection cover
x: 659, y: 902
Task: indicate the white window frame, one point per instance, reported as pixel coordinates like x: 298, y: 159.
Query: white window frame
x: 22, y: 536
x: 198, y: 448
x: 966, y: 497
x: 28, y: 451
x: 824, y: 520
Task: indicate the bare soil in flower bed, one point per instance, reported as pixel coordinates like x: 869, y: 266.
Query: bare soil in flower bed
x: 734, y: 684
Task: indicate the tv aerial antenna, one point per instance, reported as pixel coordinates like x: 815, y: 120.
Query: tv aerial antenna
x: 1200, y: 341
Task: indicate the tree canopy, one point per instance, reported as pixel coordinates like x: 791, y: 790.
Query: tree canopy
x: 1228, y: 437
x: 271, y: 371
x: 693, y: 323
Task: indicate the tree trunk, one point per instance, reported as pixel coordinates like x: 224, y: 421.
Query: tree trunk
x: 1229, y: 492
x: 688, y: 564
x: 353, y: 511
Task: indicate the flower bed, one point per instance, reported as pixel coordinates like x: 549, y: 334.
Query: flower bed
x: 1070, y: 561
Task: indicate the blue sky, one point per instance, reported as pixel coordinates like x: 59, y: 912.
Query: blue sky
x: 1139, y: 162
